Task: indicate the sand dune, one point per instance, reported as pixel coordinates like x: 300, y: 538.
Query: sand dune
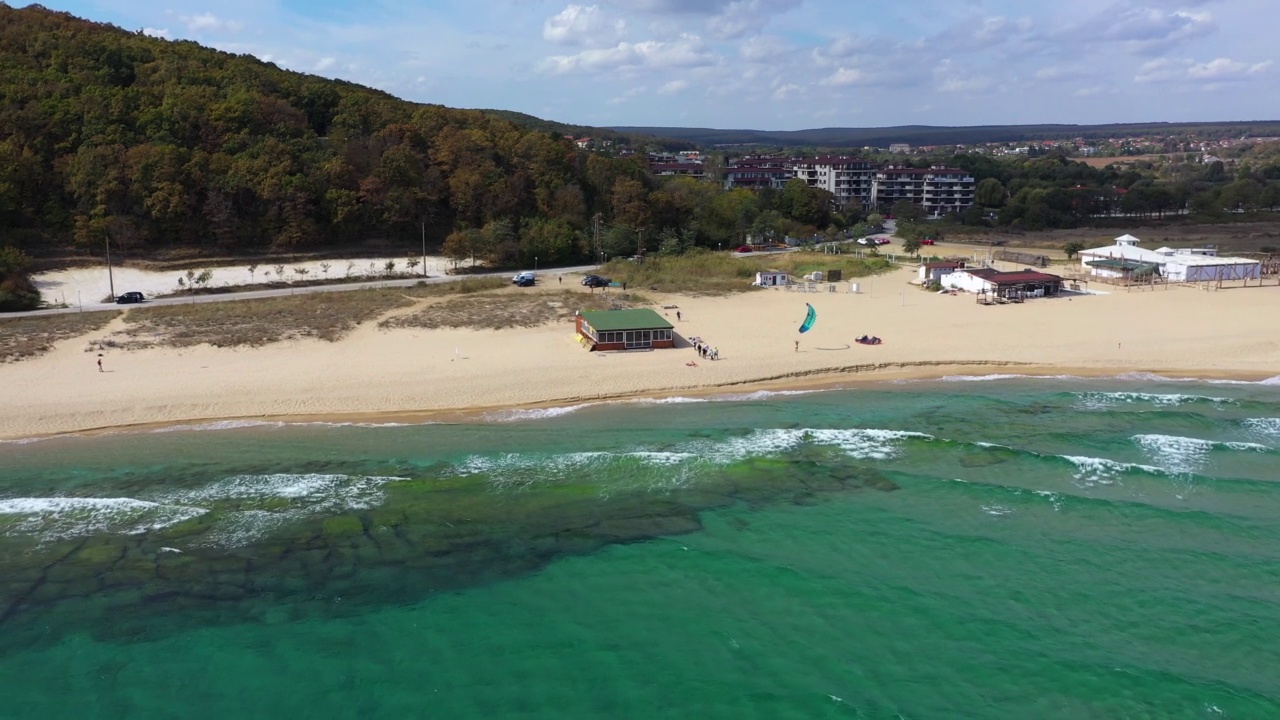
x: 1180, y: 331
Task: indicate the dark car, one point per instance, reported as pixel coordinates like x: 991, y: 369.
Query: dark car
x: 595, y: 281
x: 129, y: 297
x: 590, y: 279
x: 525, y: 282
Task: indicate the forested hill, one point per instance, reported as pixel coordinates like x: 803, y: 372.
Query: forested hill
x: 156, y: 144
x: 930, y: 135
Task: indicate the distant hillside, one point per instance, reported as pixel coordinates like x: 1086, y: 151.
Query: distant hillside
x: 633, y: 139
x: 933, y: 135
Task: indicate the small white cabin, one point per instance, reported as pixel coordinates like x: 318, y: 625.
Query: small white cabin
x: 935, y: 271
x: 772, y: 278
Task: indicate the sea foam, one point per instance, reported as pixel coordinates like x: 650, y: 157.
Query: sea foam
x: 1184, y: 454
x: 1105, y: 400
x: 1092, y: 471
x: 69, y: 517
x: 1265, y: 426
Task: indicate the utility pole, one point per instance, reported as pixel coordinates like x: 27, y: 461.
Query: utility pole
x: 424, y: 248
x: 111, y: 281
x: 595, y: 223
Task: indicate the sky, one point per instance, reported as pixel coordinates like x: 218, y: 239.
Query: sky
x: 763, y: 64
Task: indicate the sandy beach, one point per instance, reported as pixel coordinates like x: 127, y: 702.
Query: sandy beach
x: 413, y: 374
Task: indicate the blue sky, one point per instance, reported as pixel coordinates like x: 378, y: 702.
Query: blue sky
x: 763, y: 64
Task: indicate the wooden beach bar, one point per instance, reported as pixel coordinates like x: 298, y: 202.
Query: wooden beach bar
x: 624, y: 330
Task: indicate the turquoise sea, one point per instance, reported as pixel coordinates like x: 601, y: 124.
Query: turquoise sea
x: 964, y: 548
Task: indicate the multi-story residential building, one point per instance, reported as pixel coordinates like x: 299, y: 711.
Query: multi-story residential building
x: 848, y: 178
x: 688, y: 169
x: 757, y: 172
x: 938, y: 189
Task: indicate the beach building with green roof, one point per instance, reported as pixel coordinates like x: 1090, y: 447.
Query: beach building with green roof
x: 624, y: 330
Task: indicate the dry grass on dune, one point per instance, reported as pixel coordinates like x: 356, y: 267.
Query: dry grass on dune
x: 708, y: 273
x: 517, y: 308
x: 28, y: 337
x: 466, y: 286
x: 253, y: 323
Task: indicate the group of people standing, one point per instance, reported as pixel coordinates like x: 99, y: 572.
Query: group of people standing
x: 705, y: 351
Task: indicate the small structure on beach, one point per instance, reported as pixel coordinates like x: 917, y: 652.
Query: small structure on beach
x: 935, y: 271
x: 624, y: 330
x: 772, y: 278
x: 1017, y: 284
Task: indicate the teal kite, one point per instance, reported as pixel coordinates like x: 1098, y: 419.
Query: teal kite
x: 808, y: 319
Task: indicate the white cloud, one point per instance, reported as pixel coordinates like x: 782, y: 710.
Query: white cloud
x: 672, y: 87
x: 741, y: 17
x: 1222, y: 69
x: 583, y: 25
x: 324, y: 64
x: 948, y: 77
x: 156, y: 32
x: 1140, y: 29
x: 784, y: 92
x: 763, y: 48
x: 1219, y: 70
x: 687, y: 51
x: 846, y: 76
x: 208, y: 22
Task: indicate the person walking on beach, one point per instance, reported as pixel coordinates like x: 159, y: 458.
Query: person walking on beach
x: 797, y: 346
x: 100, y: 363
x: 679, y: 317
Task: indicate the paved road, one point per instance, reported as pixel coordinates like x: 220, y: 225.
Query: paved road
x: 279, y: 292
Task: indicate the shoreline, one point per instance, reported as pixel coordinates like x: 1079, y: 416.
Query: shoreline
x: 462, y: 374
x: 801, y: 382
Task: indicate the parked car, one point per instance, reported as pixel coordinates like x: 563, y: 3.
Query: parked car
x: 595, y: 281
x: 525, y: 282
x: 520, y: 277
x: 867, y: 242
x: 883, y: 241
x: 927, y: 241
x: 590, y: 278
x: 129, y: 297
x: 744, y: 249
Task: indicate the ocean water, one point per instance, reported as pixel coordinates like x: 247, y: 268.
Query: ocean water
x: 998, y: 547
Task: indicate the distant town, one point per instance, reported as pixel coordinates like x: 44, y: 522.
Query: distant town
x: 869, y: 180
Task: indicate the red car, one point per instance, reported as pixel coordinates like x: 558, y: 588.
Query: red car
x: 883, y: 241
x: 744, y: 249
x: 927, y: 241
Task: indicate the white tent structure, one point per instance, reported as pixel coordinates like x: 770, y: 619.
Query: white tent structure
x: 1180, y: 265
x: 1114, y: 261
x: 1185, y: 267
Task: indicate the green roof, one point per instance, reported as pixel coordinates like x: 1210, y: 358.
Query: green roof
x: 1121, y: 264
x: 610, y: 320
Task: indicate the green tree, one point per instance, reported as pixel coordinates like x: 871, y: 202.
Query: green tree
x: 912, y: 246
x: 906, y: 211
x: 1072, y: 248
x: 989, y: 193
x: 17, y: 292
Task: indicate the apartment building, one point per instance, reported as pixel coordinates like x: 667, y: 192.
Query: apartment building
x: 938, y: 189
x: 848, y: 178
x: 757, y: 172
